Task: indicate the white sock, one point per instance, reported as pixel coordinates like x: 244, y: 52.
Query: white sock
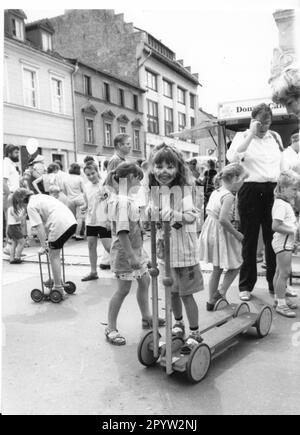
x: 281, y: 302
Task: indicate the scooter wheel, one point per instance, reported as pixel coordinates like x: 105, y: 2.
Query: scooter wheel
x: 241, y: 309
x: 198, y: 363
x: 69, y: 287
x: 264, y: 322
x: 36, y: 295
x: 221, y: 304
x: 56, y: 296
x: 145, y: 350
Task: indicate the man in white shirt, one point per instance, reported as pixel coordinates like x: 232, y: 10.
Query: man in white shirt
x: 11, y: 179
x: 291, y: 156
x: 259, y: 150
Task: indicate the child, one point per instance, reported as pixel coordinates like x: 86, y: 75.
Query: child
x: 127, y: 259
x: 51, y: 219
x: 73, y: 188
x: 285, y: 227
x: 15, y: 218
x: 47, y: 179
x: 97, y: 223
x: 168, y: 170
x: 220, y: 242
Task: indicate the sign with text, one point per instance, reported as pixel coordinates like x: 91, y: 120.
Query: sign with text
x: 243, y: 108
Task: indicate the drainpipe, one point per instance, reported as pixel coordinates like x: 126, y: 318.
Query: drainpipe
x: 74, y: 109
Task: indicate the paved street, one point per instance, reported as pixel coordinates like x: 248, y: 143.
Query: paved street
x: 56, y: 360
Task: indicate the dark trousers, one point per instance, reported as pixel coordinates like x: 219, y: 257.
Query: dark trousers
x: 255, y: 202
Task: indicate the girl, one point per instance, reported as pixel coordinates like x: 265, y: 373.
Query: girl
x: 169, y: 171
x: 220, y: 242
x: 46, y: 179
x: 96, y: 219
x: 15, y: 221
x: 285, y: 227
x: 50, y: 218
x: 127, y: 259
x: 73, y: 188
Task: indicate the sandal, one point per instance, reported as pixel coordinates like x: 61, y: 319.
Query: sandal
x: 114, y: 337
x: 90, y: 277
x: 148, y: 323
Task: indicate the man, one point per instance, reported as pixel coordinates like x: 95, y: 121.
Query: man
x: 291, y: 156
x: 11, y: 181
x: 122, y: 144
x: 259, y: 150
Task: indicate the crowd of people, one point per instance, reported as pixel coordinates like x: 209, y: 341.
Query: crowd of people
x: 118, y: 205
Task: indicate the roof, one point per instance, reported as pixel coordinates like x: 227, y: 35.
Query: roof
x: 105, y: 73
x: 44, y: 23
x: 27, y: 44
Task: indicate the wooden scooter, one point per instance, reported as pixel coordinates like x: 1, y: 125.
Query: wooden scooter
x: 219, y: 331
x: 54, y: 296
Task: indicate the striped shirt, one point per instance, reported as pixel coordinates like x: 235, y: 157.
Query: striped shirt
x: 183, y: 239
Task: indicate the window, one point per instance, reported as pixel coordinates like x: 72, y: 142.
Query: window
x: 152, y: 117
x: 192, y: 101
x: 46, y: 41
x: 167, y: 89
x: 107, y: 134
x: 17, y: 29
x: 57, y: 95
x: 121, y: 95
x: 122, y: 129
x: 181, y: 121
x: 30, y: 87
x: 135, y: 103
x: 136, y: 140
x: 192, y: 121
x: 89, y: 131
x: 169, y: 126
x: 87, y: 85
x: 181, y: 95
x: 151, y: 81
x: 107, y: 92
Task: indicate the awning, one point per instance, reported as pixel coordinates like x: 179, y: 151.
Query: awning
x: 205, y: 129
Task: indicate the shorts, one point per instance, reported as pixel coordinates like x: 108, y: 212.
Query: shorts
x: 134, y: 274
x: 93, y: 231
x: 283, y: 243
x: 14, y: 232
x: 187, y: 280
x: 59, y: 243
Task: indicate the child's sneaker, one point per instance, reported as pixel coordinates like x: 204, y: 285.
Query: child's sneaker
x: 192, y: 341
x: 290, y: 292
x: 285, y: 311
x: 178, y: 329
x: 289, y: 303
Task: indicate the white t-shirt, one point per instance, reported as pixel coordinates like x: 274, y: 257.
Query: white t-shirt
x: 290, y: 159
x: 100, y: 216
x: 12, y: 218
x: 262, y: 158
x: 73, y: 186
x: 283, y: 211
x: 11, y: 174
x: 52, y: 213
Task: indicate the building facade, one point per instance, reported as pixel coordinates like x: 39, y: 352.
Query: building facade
x: 102, y: 38
x: 104, y: 107
x: 38, y: 97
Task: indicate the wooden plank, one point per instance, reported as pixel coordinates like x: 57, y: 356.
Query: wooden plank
x: 216, y: 318
x: 218, y: 336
